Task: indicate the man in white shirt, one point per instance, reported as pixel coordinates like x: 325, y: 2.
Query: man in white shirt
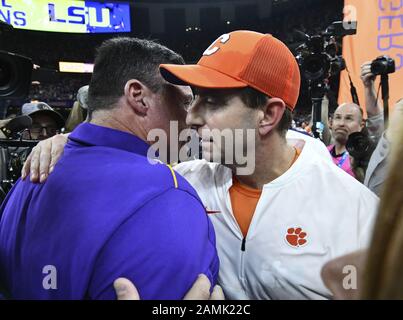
x: 278, y: 224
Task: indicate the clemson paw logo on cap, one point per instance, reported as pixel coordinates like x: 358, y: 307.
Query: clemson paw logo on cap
x: 296, y: 237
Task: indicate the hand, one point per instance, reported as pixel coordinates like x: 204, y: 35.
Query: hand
x: 42, y: 159
x: 201, y: 290
x: 367, y: 76
x: 125, y: 290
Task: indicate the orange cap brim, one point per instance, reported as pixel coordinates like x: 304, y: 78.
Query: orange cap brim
x: 198, y: 76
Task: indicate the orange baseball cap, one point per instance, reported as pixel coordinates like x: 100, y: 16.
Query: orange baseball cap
x: 240, y: 59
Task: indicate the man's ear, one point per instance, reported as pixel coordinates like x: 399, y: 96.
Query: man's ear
x: 362, y: 124
x: 135, y: 93
x: 272, y: 113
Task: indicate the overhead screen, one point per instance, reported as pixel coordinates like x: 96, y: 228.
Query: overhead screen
x: 66, y: 16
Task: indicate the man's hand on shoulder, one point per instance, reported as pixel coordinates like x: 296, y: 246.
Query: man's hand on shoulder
x: 42, y: 159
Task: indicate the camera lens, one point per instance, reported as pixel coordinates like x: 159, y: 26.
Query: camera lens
x: 358, y: 144
x: 5, y: 74
x: 15, y: 75
x: 383, y: 65
x: 315, y: 66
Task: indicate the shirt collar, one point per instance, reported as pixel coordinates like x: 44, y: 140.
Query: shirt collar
x: 225, y: 176
x: 333, y: 152
x: 94, y: 135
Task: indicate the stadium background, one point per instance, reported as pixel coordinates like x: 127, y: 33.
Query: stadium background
x: 186, y: 26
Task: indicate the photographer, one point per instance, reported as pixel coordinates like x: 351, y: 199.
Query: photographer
x: 375, y: 122
x: 377, y: 167
x: 347, y: 119
x: 379, y: 267
x: 376, y: 171
x: 46, y: 122
x: 38, y: 121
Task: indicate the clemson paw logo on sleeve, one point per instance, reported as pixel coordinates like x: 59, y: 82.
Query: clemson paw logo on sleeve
x: 296, y: 237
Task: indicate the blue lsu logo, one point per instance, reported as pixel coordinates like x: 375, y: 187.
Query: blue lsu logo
x: 93, y: 15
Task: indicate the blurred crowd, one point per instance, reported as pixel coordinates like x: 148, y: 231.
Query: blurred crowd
x: 63, y: 90
x: 48, y: 51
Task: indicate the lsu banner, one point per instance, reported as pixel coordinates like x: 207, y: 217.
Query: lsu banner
x: 380, y: 32
x: 66, y: 16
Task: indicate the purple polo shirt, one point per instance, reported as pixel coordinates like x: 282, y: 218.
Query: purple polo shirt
x: 104, y: 213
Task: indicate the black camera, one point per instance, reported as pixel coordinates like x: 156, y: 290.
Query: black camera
x: 360, y: 146
x: 318, y: 62
x: 15, y: 72
x: 15, y: 75
x: 383, y: 65
x: 318, y: 56
x: 15, y: 81
x: 13, y: 151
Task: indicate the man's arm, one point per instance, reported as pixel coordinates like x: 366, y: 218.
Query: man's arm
x: 368, y: 80
x: 375, y: 123
x: 327, y: 135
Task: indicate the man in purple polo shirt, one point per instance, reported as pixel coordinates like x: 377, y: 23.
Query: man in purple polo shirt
x: 106, y: 211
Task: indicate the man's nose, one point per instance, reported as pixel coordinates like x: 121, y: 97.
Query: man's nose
x: 194, y: 117
x: 44, y: 134
x: 339, y: 122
